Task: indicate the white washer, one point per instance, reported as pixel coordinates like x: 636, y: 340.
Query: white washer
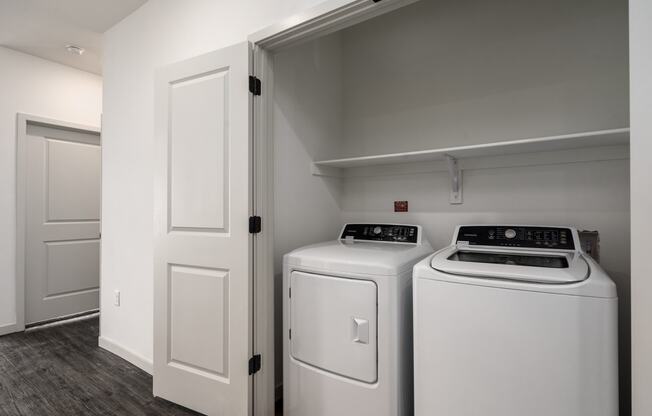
x: 514, y: 321
x: 347, y: 317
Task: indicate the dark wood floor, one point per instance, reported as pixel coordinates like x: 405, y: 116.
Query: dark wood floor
x: 61, y: 371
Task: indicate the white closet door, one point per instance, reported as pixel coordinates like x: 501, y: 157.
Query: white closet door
x: 202, y: 309
x: 62, y: 256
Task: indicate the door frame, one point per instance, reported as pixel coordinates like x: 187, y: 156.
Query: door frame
x: 325, y: 18
x: 22, y: 121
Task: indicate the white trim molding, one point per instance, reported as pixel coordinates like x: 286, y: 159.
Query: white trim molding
x: 323, y: 19
x: 8, y: 329
x: 126, y: 354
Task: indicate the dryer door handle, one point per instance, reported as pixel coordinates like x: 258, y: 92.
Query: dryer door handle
x: 361, y: 330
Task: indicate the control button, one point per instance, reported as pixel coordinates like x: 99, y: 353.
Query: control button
x: 510, y: 233
x: 377, y: 230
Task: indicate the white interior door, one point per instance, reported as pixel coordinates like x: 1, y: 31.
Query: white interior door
x: 62, y: 247
x: 202, y: 338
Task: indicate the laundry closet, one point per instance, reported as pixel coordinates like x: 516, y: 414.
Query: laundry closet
x: 472, y: 112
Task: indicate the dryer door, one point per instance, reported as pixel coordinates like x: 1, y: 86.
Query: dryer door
x: 333, y: 324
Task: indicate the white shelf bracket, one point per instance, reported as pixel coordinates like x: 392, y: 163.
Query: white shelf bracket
x: 455, y: 174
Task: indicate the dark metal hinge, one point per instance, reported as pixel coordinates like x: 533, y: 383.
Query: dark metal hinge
x: 255, y: 224
x: 255, y: 86
x: 254, y: 364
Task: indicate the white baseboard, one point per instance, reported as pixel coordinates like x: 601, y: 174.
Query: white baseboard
x: 8, y: 329
x: 126, y: 354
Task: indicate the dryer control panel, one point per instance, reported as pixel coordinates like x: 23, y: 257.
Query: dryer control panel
x: 516, y: 236
x: 396, y: 233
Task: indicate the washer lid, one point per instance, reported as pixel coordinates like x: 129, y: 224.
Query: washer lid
x: 548, y: 267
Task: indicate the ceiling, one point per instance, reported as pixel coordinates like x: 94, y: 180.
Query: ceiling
x: 44, y: 27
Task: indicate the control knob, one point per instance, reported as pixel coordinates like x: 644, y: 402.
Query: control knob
x: 510, y: 233
x: 377, y: 230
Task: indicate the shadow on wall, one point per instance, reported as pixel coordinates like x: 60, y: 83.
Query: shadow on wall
x: 489, y: 71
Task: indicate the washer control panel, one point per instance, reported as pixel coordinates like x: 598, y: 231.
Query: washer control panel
x: 396, y: 233
x: 516, y: 236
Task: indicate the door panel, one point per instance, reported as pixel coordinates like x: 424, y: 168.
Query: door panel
x: 333, y: 323
x: 62, y: 263
x: 199, y: 152
x: 73, y: 185
x: 193, y: 307
x: 72, y: 266
x: 202, y: 331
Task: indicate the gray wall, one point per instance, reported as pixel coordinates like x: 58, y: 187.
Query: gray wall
x: 307, y: 126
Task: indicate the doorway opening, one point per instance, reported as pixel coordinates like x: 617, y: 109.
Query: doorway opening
x: 58, y: 221
x: 361, y: 108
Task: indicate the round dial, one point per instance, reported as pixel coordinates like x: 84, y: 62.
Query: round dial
x: 510, y: 233
x: 377, y: 230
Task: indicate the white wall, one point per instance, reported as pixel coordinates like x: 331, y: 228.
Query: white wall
x: 641, y: 145
x: 159, y: 33
x: 43, y: 88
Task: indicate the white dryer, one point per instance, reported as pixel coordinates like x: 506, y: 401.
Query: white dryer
x: 514, y: 321
x: 348, y: 323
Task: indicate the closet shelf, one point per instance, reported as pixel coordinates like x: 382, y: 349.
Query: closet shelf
x: 590, y: 139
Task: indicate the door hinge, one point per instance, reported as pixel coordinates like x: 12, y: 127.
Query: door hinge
x: 254, y: 364
x: 255, y: 224
x: 255, y: 86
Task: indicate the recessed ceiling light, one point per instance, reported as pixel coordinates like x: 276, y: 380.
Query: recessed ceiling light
x: 77, y: 50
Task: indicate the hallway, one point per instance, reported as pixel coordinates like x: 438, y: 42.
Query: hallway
x: 60, y: 370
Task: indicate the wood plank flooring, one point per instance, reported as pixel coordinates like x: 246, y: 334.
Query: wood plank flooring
x: 60, y: 370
